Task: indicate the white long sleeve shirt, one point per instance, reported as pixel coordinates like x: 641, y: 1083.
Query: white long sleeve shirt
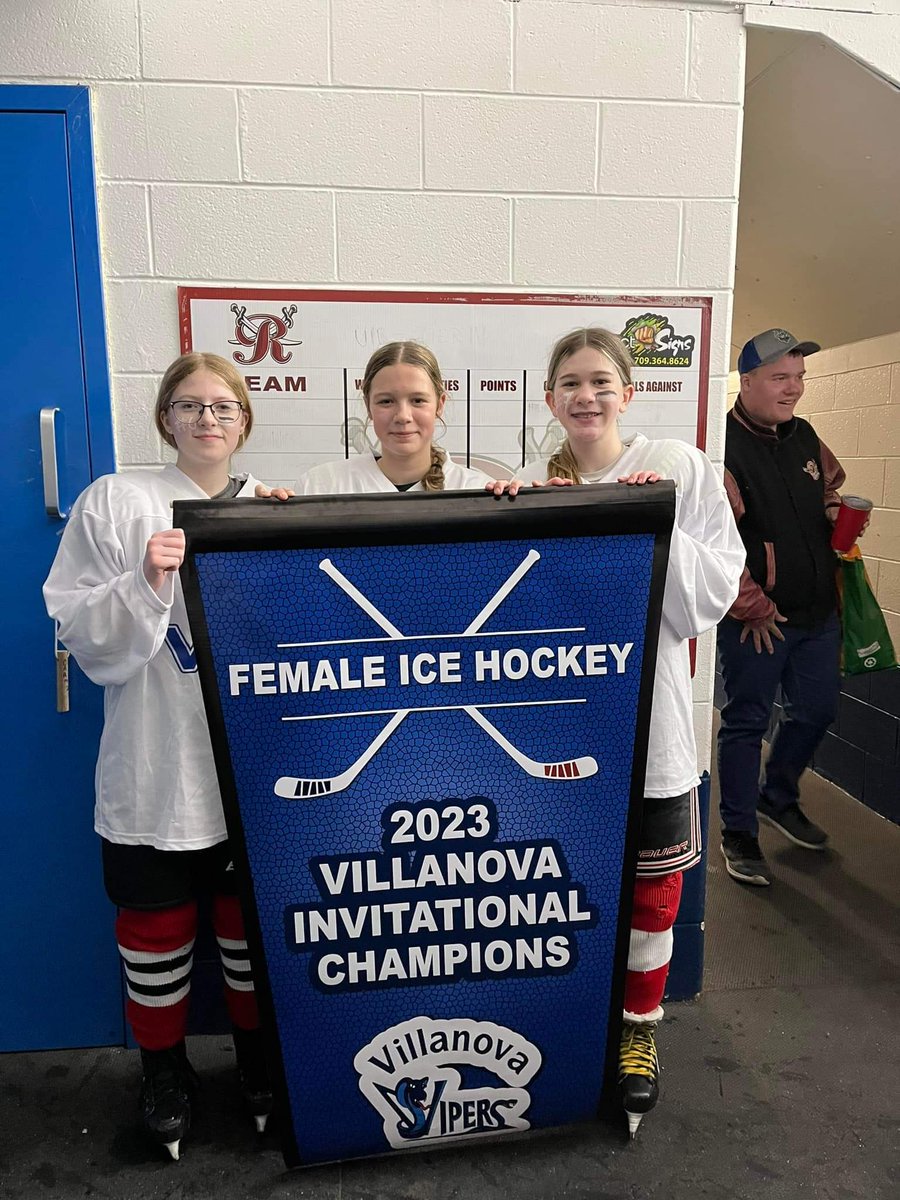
x: 155, y: 780
x: 706, y: 558
x: 361, y: 474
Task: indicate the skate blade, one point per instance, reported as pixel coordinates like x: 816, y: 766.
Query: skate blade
x: 174, y: 1148
x: 634, y: 1120
x: 261, y: 1122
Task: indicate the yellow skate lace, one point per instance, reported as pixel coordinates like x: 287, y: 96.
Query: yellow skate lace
x: 637, y: 1052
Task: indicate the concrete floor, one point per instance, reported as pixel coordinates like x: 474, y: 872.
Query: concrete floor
x: 780, y: 1081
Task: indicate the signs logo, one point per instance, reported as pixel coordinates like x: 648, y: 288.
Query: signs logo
x: 264, y: 333
x: 653, y: 342
x: 413, y: 1075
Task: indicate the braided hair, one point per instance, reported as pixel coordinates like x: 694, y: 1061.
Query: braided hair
x: 415, y: 355
x: 563, y: 463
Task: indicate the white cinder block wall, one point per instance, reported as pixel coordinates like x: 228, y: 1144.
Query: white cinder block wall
x: 560, y: 144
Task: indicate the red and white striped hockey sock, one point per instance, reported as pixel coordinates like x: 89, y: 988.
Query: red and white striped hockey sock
x: 157, y: 950
x: 650, y: 951
x: 240, y: 997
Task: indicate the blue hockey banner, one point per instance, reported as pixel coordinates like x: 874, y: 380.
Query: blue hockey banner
x: 430, y: 716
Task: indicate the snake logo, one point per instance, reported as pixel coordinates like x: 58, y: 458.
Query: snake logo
x: 429, y: 1079
x: 414, y: 1110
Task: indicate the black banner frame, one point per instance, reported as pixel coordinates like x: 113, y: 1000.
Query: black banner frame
x: 417, y: 518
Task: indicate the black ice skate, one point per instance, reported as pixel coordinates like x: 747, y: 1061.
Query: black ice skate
x: 638, y: 1073
x: 168, y: 1084
x: 253, y: 1075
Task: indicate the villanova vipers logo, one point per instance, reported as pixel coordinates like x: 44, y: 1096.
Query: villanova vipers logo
x: 413, y: 1076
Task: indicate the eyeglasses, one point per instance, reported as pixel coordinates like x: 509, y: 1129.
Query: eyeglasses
x: 189, y: 412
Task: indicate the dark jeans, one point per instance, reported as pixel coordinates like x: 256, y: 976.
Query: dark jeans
x: 806, y: 664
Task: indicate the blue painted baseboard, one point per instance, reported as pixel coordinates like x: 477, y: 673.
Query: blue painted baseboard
x: 685, y: 980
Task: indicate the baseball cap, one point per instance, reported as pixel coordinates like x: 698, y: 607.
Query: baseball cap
x: 769, y: 346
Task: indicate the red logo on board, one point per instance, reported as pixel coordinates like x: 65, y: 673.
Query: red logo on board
x: 265, y: 333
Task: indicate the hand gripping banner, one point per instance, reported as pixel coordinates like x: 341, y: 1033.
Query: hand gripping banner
x: 429, y: 714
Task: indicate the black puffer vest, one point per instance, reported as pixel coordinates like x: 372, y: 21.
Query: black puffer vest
x: 784, y: 527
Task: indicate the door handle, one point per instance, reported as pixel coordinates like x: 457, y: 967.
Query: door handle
x: 49, y: 462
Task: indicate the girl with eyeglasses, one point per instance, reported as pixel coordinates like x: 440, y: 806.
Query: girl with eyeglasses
x: 115, y: 591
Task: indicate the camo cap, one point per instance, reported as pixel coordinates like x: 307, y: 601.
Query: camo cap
x: 769, y: 346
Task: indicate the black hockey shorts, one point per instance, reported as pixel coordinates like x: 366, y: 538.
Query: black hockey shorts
x: 143, y: 877
x: 670, y: 835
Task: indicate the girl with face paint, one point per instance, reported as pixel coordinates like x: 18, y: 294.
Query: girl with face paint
x: 588, y: 387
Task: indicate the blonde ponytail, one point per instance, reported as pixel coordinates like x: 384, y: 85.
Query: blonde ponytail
x: 433, y: 479
x: 563, y: 464
x: 416, y: 355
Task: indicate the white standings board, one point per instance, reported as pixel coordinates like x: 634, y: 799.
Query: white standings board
x: 303, y: 354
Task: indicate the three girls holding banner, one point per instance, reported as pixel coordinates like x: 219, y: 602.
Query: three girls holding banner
x: 114, y: 590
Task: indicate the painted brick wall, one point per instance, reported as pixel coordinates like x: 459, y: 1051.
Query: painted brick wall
x: 472, y: 143
x: 853, y: 400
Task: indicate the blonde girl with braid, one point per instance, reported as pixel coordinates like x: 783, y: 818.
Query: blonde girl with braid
x: 404, y: 395
x: 588, y: 388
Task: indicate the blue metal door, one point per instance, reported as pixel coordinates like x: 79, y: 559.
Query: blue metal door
x: 61, y: 983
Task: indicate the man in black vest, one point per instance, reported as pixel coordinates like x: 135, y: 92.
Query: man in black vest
x: 783, y: 628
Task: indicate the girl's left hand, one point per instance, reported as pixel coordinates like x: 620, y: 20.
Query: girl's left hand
x: 511, y: 487
x: 504, y: 487
x: 278, y: 493
x: 640, y: 477
x: 554, y: 481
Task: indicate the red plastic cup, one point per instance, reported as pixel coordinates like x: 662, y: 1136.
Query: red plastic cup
x: 852, y: 515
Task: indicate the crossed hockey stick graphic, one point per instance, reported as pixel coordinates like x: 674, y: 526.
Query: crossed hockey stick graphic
x: 292, y: 788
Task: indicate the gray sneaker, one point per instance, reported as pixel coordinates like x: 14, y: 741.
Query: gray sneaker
x: 794, y: 824
x: 743, y: 858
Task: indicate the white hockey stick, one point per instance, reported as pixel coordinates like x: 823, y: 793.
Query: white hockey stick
x: 356, y: 595
x: 576, y: 768
x: 306, y: 789
x: 392, y: 631
x: 500, y: 595
x: 573, y: 768
x: 289, y: 787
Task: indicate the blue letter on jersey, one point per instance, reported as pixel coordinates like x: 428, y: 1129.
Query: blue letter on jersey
x: 182, y: 650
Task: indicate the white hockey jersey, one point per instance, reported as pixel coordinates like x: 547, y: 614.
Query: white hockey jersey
x: 361, y: 473
x: 706, y: 558
x: 156, y: 781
